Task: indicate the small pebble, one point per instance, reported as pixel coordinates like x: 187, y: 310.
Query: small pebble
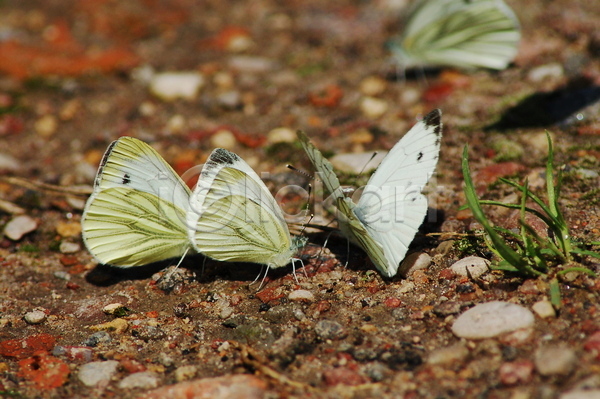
x: 114, y: 308
x: 19, y: 226
x: 185, y: 373
x: 299, y: 314
x: 372, y: 86
x: 555, y: 360
x: 281, y: 135
x: 230, y: 99
x: 357, y: 162
x: 225, y: 387
x: 176, y: 124
x: 149, y: 333
x: 46, y: 126
x: 165, y: 359
x: 301, y: 295
x: 544, y: 72
x: 96, y: 338
x: 97, y: 373
x: 447, y: 308
x: 226, y: 312
x: 9, y: 163
x: 414, y: 261
x: 516, y: 373
x: 492, y: 319
x: 373, y: 107
x: 143, y: 380
x: 117, y: 325
x: 588, y: 394
x: 475, y: 265
x: 67, y: 247
x: 454, y: 354
x: 544, y: 309
x: 35, y: 317
x: 68, y: 229
x: 223, y: 139
x: 329, y: 329
x: 63, y: 275
x: 169, y: 86
x: 253, y: 64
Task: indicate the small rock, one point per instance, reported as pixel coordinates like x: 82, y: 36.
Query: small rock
x: 67, y: 247
x: 35, y: 317
x: 373, y: 107
x: 223, y: 139
x: 343, y: 375
x: 63, y: 275
x: 357, y: 162
x: 253, y: 64
x: 555, y: 360
x: 115, y: 309
x: 225, y: 387
x: 230, y: 99
x: 492, y: 319
x: 97, y: 338
x: 46, y: 126
x: 97, y: 373
x: 176, y: 124
x: 165, y: 359
x: 117, y: 325
x: 372, y: 86
x: 591, y: 394
x: 143, y: 380
x: 226, y: 312
x: 329, y: 329
x: 475, y: 265
x: 185, y: 373
x: 516, y: 373
x: 148, y: 333
x: 447, y: 308
x: 281, y: 135
x: 68, y: 229
x: 544, y: 72
x: 544, y: 309
x: 19, y: 226
x: 414, y: 261
x: 299, y: 314
x: 450, y: 355
x: 301, y: 295
x: 169, y: 86
x: 9, y: 163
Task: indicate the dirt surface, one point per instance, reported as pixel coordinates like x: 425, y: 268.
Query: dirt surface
x: 73, y: 77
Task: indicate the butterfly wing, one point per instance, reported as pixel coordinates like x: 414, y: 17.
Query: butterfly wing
x: 463, y: 33
x: 392, y: 207
x: 350, y: 226
x: 136, y: 214
x: 234, y: 217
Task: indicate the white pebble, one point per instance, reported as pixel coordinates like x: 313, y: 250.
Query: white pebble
x: 414, y: 261
x: 223, y: 139
x: 46, y: 125
x: 281, y: 135
x: 492, y: 319
x: 226, y: 312
x: 450, y: 355
x: 475, y: 265
x: 35, y: 317
x: 544, y: 72
x: 97, y: 373
x: 373, y: 107
x: 19, y: 226
x: 248, y: 63
x: 67, y: 247
x: 301, y: 295
x: 372, y: 86
x: 184, y: 373
x: 555, y: 360
x: 113, y: 308
x: 357, y: 162
x: 143, y: 379
x: 544, y: 309
x: 9, y: 163
x: 169, y: 86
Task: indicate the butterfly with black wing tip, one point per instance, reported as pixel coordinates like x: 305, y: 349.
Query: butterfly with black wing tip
x: 391, y: 208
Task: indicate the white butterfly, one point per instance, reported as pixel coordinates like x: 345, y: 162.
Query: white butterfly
x: 462, y: 33
x: 391, y: 209
x: 141, y: 211
x: 136, y: 214
x: 235, y: 218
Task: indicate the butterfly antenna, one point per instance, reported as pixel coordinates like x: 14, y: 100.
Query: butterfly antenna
x: 300, y: 171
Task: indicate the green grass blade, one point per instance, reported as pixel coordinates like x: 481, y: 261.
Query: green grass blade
x: 555, y: 294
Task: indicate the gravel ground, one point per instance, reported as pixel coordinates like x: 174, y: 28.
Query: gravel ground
x: 76, y: 75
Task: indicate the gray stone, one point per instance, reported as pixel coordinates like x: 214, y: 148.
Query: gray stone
x: 329, y: 329
x: 473, y: 266
x: 555, y: 360
x: 492, y: 319
x: 97, y: 373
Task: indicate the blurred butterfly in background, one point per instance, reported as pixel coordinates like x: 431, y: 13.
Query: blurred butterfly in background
x: 391, y: 209
x: 140, y: 213
x: 234, y: 217
x: 460, y: 33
